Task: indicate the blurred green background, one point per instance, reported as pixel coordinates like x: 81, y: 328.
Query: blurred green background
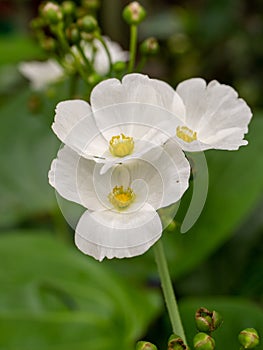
x: 53, y: 297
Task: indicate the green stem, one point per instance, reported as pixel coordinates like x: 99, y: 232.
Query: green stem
x: 168, y: 292
x: 100, y: 38
x: 141, y: 64
x: 133, y: 46
x: 84, y: 57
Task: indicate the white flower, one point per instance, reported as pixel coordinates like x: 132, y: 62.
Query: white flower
x: 40, y: 74
x: 101, y: 60
x: 214, y: 116
x: 125, y: 119
x: 121, y: 220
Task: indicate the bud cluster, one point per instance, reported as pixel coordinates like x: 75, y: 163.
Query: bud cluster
x: 207, y: 321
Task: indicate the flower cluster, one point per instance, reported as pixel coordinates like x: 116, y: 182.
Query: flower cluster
x: 123, y: 157
x: 71, y: 37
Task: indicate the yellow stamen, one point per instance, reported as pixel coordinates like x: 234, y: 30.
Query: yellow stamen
x: 186, y: 134
x: 121, y: 198
x: 121, y: 145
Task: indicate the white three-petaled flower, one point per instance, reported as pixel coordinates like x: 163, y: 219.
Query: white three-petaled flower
x: 124, y: 120
x: 213, y: 116
x: 121, y: 220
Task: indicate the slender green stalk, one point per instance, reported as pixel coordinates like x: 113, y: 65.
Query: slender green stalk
x: 168, y: 291
x: 133, y: 46
x: 141, y: 64
x: 84, y: 57
x: 100, y: 38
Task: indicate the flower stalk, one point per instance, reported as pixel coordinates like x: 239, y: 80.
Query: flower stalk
x: 168, y: 291
x: 133, y: 44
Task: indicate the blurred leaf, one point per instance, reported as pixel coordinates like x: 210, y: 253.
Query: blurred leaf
x: 53, y: 297
x: 235, y: 188
x: 237, y: 314
x: 27, y: 147
x: 17, y: 48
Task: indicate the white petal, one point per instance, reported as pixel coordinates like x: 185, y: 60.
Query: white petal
x: 74, y: 178
x: 40, y: 74
x: 137, y: 88
x: 111, y: 234
x: 166, y: 173
x: 75, y: 126
x: 193, y: 94
x: 216, y: 113
x: 101, y: 61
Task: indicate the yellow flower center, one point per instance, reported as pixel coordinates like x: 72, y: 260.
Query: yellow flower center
x: 121, y: 145
x: 186, y: 134
x: 121, y: 198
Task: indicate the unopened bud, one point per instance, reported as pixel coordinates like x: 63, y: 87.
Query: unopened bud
x: 203, y: 341
x: 68, y: 8
x: 207, y: 321
x: 73, y: 35
x: 134, y: 13
x: 145, y: 345
x: 88, y: 24
x: 94, y: 79
x: 37, y: 23
x: 48, y: 44
x: 91, y: 5
x: 248, y: 338
x: 119, y: 66
x: 176, y: 343
x: 51, y: 12
x: 149, y: 47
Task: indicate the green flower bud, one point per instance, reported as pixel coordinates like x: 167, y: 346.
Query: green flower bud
x: 87, y: 24
x: 134, y: 13
x: 72, y: 34
x: 145, y: 345
x: 149, y: 47
x: 203, y: 341
x: 207, y: 321
x: 37, y: 23
x: 248, y: 338
x: 91, y: 5
x: 94, y: 79
x: 48, y: 44
x: 68, y: 8
x: 119, y: 66
x: 51, y: 12
x: 176, y: 343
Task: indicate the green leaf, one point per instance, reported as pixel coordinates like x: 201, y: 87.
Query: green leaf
x: 27, y: 147
x: 237, y: 313
x: 16, y: 48
x: 53, y: 297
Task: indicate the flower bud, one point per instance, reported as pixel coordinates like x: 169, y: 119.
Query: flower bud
x: 119, y: 66
x: 72, y: 34
x: 91, y: 5
x: 203, y: 341
x: 37, y: 23
x: 134, y: 13
x: 176, y: 343
x: 248, y: 338
x: 68, y: 8
x: 149, y: 47
x: 207, y: 321
x: 87, y: 24
x: 145, y: 345
x: 51, y: 12
x: 48, y: 44
x: 94, y: 79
